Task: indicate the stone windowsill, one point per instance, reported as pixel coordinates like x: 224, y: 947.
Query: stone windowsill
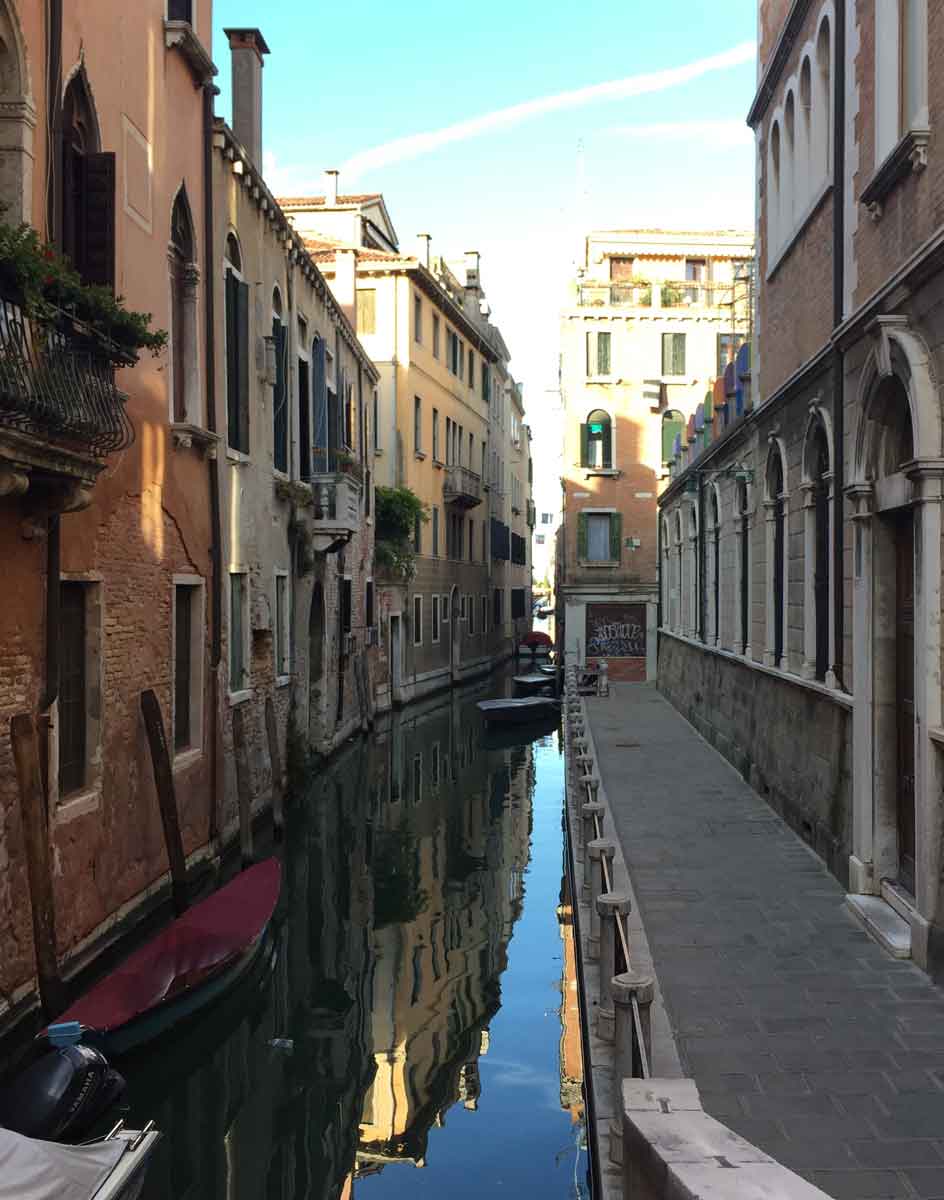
x: 909, y: 157
x: 239, y: 697
x: 180, y: 36
x: 811, y: 685
x: 438, y: 463
x: 78, y: 804
x: 186, y: 434
x: 282, y: 680
x: 598, y: 563
x: 420, y: 454
x: 603, y: 472
x: 187, y: 758
x: 237, y: 458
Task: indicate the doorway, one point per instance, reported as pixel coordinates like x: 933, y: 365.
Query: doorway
x: 903, y: 529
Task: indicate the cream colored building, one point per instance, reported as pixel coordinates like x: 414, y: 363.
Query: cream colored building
x: 443, y: 381
x: 653, y: 320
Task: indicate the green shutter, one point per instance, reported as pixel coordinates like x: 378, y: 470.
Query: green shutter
x: 672, y: 423
x: 608, y: 444
x: 603, y: 354
x: 679, y: 353
x: 581, y: 537
x: 616, y: 535
x: 584, y: 445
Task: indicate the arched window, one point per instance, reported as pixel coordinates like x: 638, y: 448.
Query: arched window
x: 773, y: 192
x: 693, y: 560
x: 788, y: 202
x: 822, y: 105
x: 184, y: 277
x: 804, y: 175
x: 819, y: 548
x: 87, y: 215
x: 280, y: 391
x: 714, y: 571
x: 237, y: 349
x: 776, y: 554
x: 679, y: 592
x: 233, y: 254
x: 744, y: 566
x: 19, y: 121
x: 597, y: 448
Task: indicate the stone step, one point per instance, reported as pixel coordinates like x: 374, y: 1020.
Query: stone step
x: 883, y: 923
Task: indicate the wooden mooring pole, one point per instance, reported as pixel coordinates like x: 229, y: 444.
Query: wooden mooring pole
x: 275, y: 761
x: 166, y: 798
x: 243, y: 784
x: 38, y: 861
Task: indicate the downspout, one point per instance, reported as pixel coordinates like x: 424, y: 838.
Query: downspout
x: 700, y: 543
x: 213, y: 477
x: 659, y: 572
x: 839, y: 249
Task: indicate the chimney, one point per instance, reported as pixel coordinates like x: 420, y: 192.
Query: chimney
x: 422, y: 248
x: 331, y: 187
x: 472, y: 269
x: 345, y: 282
x: 247, y: 47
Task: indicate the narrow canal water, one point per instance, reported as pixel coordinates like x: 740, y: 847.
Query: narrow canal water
x: 412, y: 1030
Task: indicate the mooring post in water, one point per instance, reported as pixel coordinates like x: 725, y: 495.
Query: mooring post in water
x: 166, y: 797
x: 612, y: 908
x: 597, y: 850
x: 243, y: 784
x: 38, y: 860
x: 275, y: 762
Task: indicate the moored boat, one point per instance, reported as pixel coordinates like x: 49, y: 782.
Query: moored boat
x: 108, y: 1169
x: 518, y: 711
x: 187, y: 966
x: 534, y: 681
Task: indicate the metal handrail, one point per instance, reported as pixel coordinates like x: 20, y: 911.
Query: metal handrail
x: 57, y: 382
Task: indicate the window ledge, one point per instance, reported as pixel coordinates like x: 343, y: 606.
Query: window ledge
x: 283, y: 680
x: 605, y: 472
x: 593, y: 562
x: 237, y: 458
x: 601, y: 379
x: 438, y: 463
x: 240, y: 697
x: 186, y: 434
x: 909, y: 157
x: 420, y: 454
x: 186, y: 758
x: 78, y: 804
x: 378, y: 452
x: 179, y: 35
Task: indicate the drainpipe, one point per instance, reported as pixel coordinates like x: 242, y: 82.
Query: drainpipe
x: 659, y: 569
x: 700, y: 549
x: 213, y: 463
x: 839, y: 239
x: 51, y: 694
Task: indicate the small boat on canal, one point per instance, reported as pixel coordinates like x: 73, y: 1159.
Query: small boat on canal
x: 534, y: 681
x: 520, y: 711
x: 189, y: 965
x: 110, y: 1168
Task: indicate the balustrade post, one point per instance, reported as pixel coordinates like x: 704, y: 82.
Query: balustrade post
x: 598, y: 849
x: 612, y: 908
x: 623, y: 988
x: 588, y: 832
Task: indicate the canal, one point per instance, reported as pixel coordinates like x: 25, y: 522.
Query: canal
x: 412, y: 1028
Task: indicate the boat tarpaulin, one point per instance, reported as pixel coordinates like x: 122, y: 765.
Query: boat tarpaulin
x: 34, y: 1170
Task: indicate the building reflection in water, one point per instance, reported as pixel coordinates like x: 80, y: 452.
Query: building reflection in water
x: 365, y: 1019
x: 571, y: 1051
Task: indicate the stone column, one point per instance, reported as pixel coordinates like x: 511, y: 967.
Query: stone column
x: 612, y: 908
x: 808, y: 669
x: 861, y: 874
x: 770, y: 636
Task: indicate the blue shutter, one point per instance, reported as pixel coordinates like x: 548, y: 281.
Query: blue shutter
x: 320, y: 397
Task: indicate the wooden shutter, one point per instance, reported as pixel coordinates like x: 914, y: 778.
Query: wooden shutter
x: 607, y: 457
x: 616, y: 535
x: 98, y: 266
x: 678, y: 353
x: 603, y: 354
x: 582, y: 536
x: 279, y: 403
x: 232, y: 358
x: 584, y: 445
x: 242, y: 365
x: 304, y: 421
x: 320, y: 397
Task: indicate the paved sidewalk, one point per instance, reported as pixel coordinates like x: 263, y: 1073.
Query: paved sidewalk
x: 802, y: 1034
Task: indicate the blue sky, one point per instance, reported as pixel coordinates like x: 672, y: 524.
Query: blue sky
x: 343, y: 79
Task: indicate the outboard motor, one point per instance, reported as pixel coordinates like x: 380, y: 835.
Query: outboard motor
x: 60, y: 1096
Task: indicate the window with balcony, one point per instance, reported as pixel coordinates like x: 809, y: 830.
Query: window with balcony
x: 188, y: 663
x: 237, y: 349
x: 87, y: 213
x: 238, y: 631
x: 673, y: 354
x: 599, y: 537
x: 598, y: 353
x: 596, y: 442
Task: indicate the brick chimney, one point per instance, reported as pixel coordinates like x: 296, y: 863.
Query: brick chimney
x: 422, y: 248
x: 331, y: 187
x: 472, y: 281
x: 247, y: 47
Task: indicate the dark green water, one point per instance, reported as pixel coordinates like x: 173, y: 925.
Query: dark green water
x: 403, y: 1035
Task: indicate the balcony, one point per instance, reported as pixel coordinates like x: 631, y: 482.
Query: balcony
x: 60, y: 411
x: 462, y: 487
x: 666, y: 293
x: 336, y: 491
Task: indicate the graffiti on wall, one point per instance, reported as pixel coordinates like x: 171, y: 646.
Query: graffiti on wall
x: 616, y: 630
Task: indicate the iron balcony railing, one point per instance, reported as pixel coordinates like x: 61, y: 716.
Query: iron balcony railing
x: 462, y: 486
x: 58, y: 383
x: 333, y: 462
x: 667, y: 293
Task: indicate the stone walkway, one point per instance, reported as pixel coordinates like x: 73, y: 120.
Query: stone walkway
x: 801, y: 1033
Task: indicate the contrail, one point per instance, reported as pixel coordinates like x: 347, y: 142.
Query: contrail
x: 400, y: 149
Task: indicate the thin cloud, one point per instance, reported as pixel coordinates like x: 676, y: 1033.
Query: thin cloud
x: 401, y: 149
x: 719, y: 133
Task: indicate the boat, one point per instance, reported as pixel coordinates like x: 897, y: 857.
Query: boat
x: 110, y: 1168
x: 191, y: 963
x: 547, y: 669
x: 532, y: 682
x: 519, y: 711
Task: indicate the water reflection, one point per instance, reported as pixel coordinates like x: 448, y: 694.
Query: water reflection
x: 371, y: 1014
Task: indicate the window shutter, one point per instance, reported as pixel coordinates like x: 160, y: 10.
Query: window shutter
x: 607, y: 444
x: 581, y: 536
x: 667, y: 354
x: 279, y: 401
x: 320, y: 397
x: 678, y: 353
x: 232, y: 359
x: 99, y: 216
x: 616, y: 535
x: 603, y: 354
x: 584, y: 445
x: 242, y: 365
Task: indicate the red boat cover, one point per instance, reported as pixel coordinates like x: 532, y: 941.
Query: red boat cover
x: 187, y: 953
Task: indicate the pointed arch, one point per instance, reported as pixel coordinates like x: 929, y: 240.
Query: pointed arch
x: 775, y: 501
x: 184, y: 336
x: 87, y: 201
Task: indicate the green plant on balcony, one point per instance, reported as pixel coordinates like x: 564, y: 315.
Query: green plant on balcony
x: 671, y: 295
x: 397, y: 512
x: 47, y: 288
